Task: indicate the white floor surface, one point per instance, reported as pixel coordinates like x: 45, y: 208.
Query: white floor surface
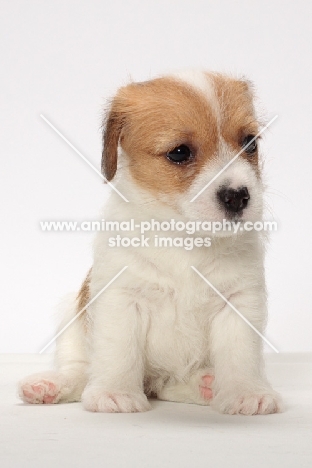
x: 171, y: 435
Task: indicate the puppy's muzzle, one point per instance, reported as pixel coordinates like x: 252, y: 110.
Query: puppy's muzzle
x: 234, y: 201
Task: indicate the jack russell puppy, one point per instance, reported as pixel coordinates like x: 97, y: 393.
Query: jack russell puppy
x: 159, y: 329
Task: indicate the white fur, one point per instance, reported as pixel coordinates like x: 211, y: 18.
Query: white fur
x: 159, y: 325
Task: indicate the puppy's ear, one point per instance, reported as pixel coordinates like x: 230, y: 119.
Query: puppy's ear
x: 128, y: 101
x: 112, y: 128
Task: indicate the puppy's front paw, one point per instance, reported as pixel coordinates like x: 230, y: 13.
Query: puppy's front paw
x: 97, y: 400
x: 248, y: 402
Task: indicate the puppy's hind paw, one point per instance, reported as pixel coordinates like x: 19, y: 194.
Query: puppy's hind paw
x: 44, y: 387
x: 97, y: 400
x: 205, y: 386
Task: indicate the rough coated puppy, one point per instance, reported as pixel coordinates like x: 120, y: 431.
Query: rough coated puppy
x: 159, y: 329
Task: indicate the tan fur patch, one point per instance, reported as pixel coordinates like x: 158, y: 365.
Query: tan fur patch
x: 237, y: 118
x: 83, y: 296
x: 151, y: 118
x: 154, y: 118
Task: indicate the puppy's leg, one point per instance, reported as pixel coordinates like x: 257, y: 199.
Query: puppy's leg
x: 117, y: 363
x: 240, y: 384
x: 67, y: 382
x: 198, y: 389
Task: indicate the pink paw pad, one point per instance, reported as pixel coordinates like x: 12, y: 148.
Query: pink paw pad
x: 205, y: 387
x: 45, y: 392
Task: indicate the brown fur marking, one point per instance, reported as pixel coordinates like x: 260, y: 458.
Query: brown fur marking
x: 151, y: 118
x: 83, y: 296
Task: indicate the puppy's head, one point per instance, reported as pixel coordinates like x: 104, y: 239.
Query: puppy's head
x: 179, y: 134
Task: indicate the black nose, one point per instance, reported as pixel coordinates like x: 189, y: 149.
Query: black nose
x: 233, y: 200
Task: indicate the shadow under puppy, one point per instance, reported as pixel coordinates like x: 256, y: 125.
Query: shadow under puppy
x: 159, y: 329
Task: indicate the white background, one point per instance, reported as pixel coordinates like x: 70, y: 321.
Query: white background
x: 64, y: 58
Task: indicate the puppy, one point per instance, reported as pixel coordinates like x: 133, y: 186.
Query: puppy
x: 159, y: 329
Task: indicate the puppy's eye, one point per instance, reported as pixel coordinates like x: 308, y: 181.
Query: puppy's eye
x: 250, y: 143
x: 180, y: 154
